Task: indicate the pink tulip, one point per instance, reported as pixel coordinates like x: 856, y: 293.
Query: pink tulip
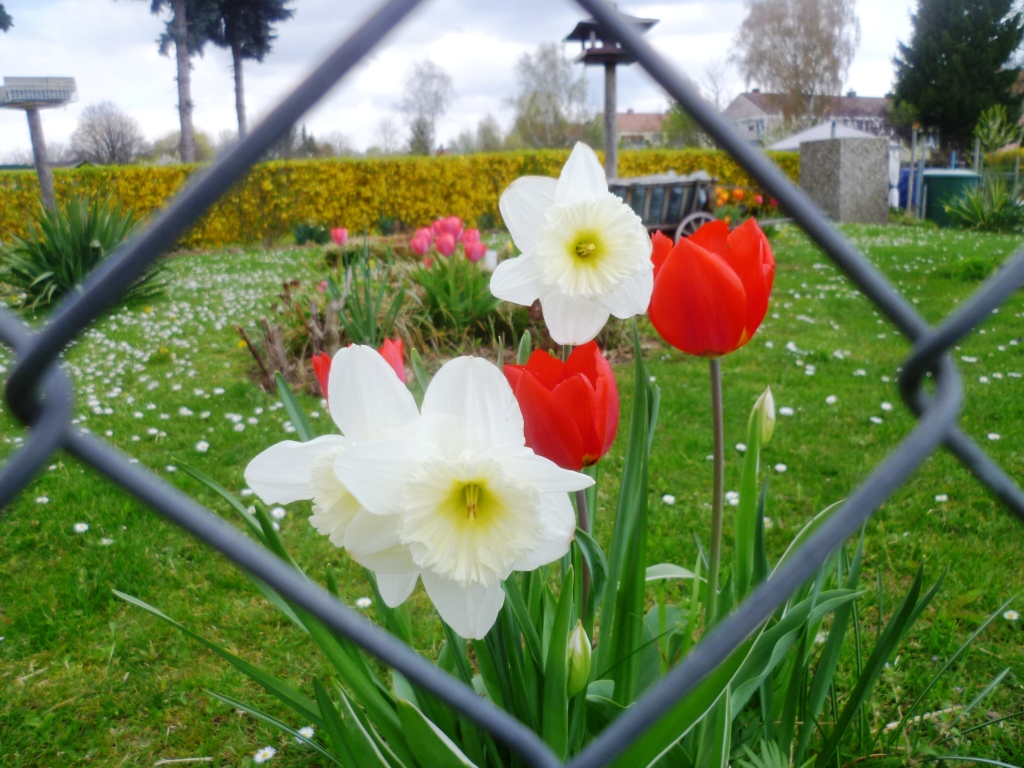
x: 470, y: 236
x: 420, y: 245
x: 340, y: 235
x: 426, y: 233
x: 428, y: 262
x: 453, y: 226
x: 438, y: 227
x: 445, y: 244
x: 322, y: 288
x: 475, y: 251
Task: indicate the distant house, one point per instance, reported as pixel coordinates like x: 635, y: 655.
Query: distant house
x: 758, y: 115
x: 640, y: 129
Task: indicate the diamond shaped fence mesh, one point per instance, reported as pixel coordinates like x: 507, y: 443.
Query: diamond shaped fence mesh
x: 40, y: 394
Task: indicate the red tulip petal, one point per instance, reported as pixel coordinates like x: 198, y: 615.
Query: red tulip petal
x: 698, y: 304
x: 713, y: 236
x: 660, y: 246
x: 550, y: 429
x: 576, y: 396
x: 750, y: 256
x: 587, y: 360
x: 322, y: 369
x: 512, y: 374
x: 546, y: 367
x: 394, y: 353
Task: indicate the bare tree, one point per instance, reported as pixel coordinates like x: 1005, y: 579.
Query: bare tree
x: 801, y: 48
x: 338, y: 144
x: 387, y: 135
x: 427, y: 92
x: 488, y: 135
x: 106, y: 136
x: 551, y: 101
x: 716, y: 83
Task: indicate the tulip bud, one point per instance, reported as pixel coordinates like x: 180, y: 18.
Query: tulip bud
x: 764, y: 410
x: 578, y: 662
x: 340, y: 235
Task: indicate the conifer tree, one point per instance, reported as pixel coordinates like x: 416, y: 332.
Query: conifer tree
x: 960, y: 62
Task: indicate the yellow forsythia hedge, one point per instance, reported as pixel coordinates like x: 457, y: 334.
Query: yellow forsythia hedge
x: 354, y: 193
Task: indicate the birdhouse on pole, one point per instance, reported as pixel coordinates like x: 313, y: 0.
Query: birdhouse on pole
x: 602, y: 48
x: 32, y: 94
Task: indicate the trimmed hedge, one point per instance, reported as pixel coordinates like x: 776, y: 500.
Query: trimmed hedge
x: 355, y: 193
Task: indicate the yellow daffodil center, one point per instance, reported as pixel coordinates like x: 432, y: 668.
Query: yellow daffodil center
x: 587, y: 248
x: 468, y: 521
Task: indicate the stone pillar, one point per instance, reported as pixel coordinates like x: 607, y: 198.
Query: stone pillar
x: 35, y: 129
x: 847, y: 178
x: 611, y: 126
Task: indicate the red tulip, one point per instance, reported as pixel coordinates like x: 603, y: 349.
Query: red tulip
x: 420, y: 245
x: 470, y: 236
x: 475, y: 251
x: 445, y: 244
x: 394, y: 353
x: 340, y: 236
x: 773, y: 202
x: 711, y: 289
x: 322, y: 369
x: 570, y: 409
x: 758, y: 199
x: 452, y: 226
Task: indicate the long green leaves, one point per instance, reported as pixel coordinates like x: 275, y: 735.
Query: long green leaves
x: 555, y: 708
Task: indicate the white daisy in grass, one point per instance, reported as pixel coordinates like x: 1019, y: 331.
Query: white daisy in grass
x: 305, y: 732
x: 80, y: 527
x: 461, y: 502
x: 263, y: 754
x: 1011, y: 615
x: 362, y: 603
x: 585, y: 253
x: 368, y: 402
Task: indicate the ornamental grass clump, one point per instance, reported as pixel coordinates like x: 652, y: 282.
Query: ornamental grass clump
x: 478, y: 485
x: 63, y: 246
x: 989, y: 207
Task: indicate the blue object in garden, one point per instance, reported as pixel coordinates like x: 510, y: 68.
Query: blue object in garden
x: 902, y: 187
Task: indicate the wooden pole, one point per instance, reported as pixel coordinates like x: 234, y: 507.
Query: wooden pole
x: 611, y: 128
x: 35, y: 129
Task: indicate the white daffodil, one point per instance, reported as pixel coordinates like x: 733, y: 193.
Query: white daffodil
x: 585, y: 253
x: 367, y: 402
x: 461, y: 503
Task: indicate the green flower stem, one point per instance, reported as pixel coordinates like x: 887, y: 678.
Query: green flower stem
x: 583, y: 520
x: 715, y: 555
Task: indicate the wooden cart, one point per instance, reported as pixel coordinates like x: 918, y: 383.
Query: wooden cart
x: 672, y: 204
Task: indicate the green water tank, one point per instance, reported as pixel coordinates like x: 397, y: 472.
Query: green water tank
x: 941, y: 185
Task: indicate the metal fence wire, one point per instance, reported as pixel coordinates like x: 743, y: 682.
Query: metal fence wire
x: 40, y: 394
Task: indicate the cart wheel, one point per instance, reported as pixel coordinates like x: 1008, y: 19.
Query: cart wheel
x: 692, y: 223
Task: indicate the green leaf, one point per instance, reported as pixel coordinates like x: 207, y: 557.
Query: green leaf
x: 807, y: 531
x: 361, y: 743
x: 288, y: 695
x: 746, y: 512
x: 525, y: 348
x: 664, y: 571
x: 419, y: 373
x: 717, y: 727
x: 596, y: 562
x: 333, y: 724
x: 270, y: 720
x: 225, y: 494
x: 433, y: 747
x: 555, y: 705
x: 295, y: 412
x: 515, y: 601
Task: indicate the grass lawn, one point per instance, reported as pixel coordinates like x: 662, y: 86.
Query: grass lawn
x: 85, y: 678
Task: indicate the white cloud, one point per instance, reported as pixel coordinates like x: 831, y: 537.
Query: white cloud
x: 110, y: 48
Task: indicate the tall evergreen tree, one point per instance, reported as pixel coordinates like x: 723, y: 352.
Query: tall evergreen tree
x: 6, y: 22
x: 246, y: 27
x: 958, y: 63
x: 187, y: 30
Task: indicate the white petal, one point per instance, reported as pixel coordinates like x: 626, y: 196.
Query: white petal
x: 474, y: 391
x: 573, y: 321
x: 582, y: 177
x: 283, y: 473
x: 372, y: 541
x: 527, y: 467
x: 470, y: 611
x: 376, y: 473
x: 365, y: 396
x: 395, y: 588
x: 518, y: 280
x: 558, y: 519
x: 524, y: 205
x: 632, y: 296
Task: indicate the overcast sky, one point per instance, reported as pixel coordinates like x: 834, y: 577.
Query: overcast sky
x: 109, y: 47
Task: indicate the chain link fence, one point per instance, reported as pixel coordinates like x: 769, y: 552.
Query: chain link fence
x: 41, y: 395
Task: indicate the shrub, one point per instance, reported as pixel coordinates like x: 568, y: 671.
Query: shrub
x: 989, y: 207
x: 310, y: 233
x: 63, y: 246
x: 457, y: 297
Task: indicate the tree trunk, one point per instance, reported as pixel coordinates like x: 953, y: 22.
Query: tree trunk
x: 187, y: 147
x: 35, y: 129
x: 236, y: 59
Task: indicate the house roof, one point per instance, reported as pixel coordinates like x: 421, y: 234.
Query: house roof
x: 819, y: 133
x: 639, y: 122
x: 756, y: 104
